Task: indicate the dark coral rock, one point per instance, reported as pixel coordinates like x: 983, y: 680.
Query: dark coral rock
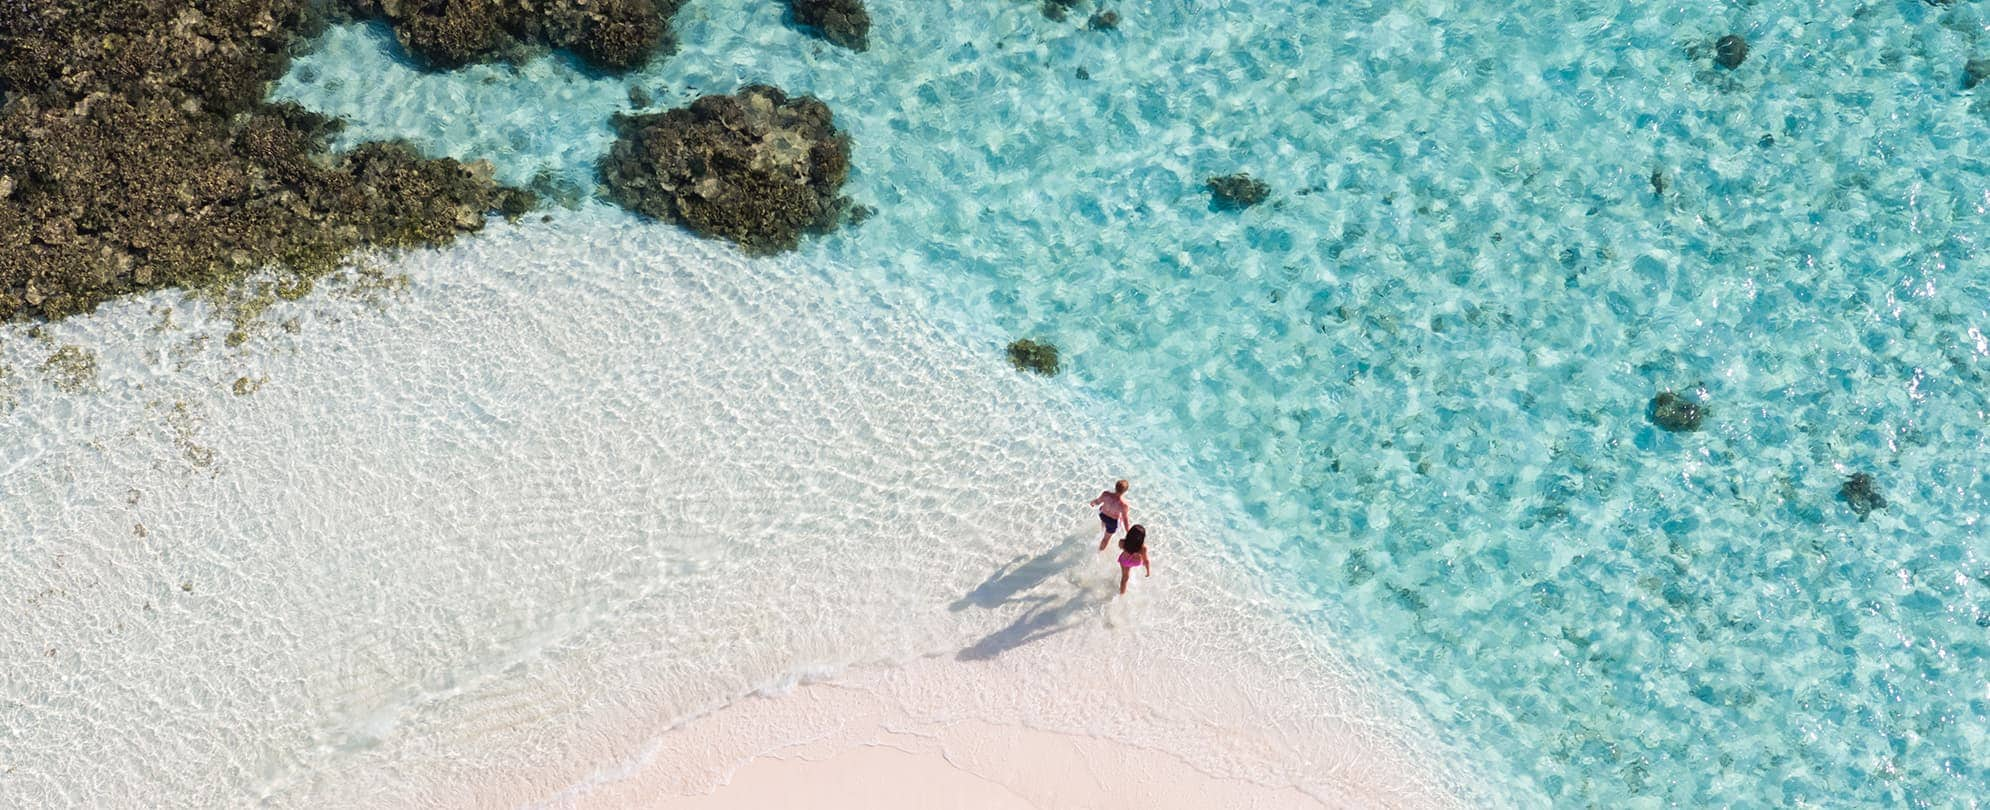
x: 410, y: 200
x: 1861, y: 493
x: 1104, y: 21
x: 1730, y: 51
x: 449, y: 33
x: 844, y: 22
x: 755, y: 167
x: 1658, y: 183
x: 1058, y: 9
x: 1974, y: 72
x: 1676, y: 413
x: 1030, y: 355
x: 1233, y: 191
x: 138, y: 154
x: 220, y: 53
x: 615, y: 35
x: 639, y: 98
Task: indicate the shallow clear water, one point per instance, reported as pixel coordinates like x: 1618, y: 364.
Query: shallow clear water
x: 1424, y: 364
x: 481, y: 537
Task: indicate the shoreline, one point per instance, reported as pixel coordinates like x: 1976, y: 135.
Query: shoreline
x: 543, y: 540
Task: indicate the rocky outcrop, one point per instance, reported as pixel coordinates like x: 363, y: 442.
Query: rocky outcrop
x: 1030, y: 355
x: 1676, y: 413
x: 615, y: 35
x: 1861, y: 493
x: 755, y: 167
x: 135, y: 152
x: 1233, y: 191
x: 843, y: 22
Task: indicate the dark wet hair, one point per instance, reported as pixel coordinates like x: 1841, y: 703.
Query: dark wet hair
x: 1135, y: 540
x: 1119, y: 486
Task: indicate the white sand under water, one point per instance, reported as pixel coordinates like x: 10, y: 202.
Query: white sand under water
x: 487, y: 544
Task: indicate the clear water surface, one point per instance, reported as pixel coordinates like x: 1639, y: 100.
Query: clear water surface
x: 1425, y: 361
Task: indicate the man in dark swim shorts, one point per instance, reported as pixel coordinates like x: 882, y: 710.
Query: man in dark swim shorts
x: 1113, y: 511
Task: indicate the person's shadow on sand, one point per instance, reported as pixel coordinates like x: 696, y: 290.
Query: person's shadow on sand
x: 1054, y: 601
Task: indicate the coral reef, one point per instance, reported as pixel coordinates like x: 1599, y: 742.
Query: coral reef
x: 1730, y: 51
x: 135, y: 152
x: 1030, y: 355
x: 615, y: 35
x: 844, y: 22
x: 1861, y: 493
x: 1974, y: 72
x: 1106, y: 20
x: 1232, y: 191
x: 755, y: 167
x: 1676, y: 413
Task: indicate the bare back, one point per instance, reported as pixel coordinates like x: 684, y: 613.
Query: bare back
x: 1111, y: 504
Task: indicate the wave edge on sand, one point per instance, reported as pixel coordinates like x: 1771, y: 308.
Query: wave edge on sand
x: 588, y: 479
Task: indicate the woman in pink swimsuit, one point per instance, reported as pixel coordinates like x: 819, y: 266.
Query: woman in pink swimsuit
x: 1133, y: 552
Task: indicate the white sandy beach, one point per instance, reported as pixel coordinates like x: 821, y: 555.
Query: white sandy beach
x: 491, y: 544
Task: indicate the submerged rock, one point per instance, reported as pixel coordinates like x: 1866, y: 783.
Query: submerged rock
x: 1974, y: 72
x: 138, y: 153
x: 1030, y: 355
x: 1730, y: 51
x: 615, y: 35
x: 72, y: 369
x: 1861, y: 493
x: 1238, y: 190
x: 1106, y: 20
x: 843, y: 22
x: 1058, y: 9
x: 755, y: 167
x: 1676, y: 413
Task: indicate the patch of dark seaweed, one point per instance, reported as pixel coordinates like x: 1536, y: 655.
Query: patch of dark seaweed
x: 1031, y: 355
x: 1238, y: 191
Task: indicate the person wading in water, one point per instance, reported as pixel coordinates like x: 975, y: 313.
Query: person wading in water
x: 1133, y: 553
x: 1113, y: 511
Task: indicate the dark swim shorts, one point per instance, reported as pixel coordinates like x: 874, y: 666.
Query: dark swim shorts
x: 1112, y: 523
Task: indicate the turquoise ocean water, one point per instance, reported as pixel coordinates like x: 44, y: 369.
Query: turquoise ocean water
x: 1424, y: 363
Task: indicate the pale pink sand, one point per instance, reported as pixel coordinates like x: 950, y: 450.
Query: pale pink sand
x: 1083, y: 717
x: 977, y: 766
